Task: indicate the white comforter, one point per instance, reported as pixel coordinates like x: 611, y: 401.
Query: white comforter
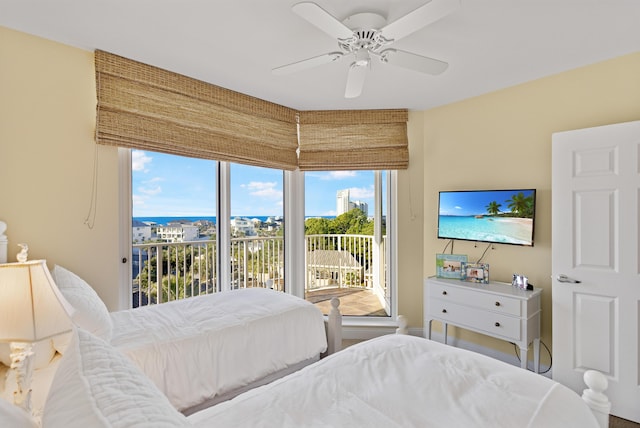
x: 404, y: 381
x: 198, y: 348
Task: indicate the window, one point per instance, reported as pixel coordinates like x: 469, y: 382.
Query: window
x: 200, y: 226
x: 173, y: 202
x: 257, y: 227
x: 346, y: 241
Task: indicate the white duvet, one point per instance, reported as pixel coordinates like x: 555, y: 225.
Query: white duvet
x: 198, y: 348
x: 404, y: 381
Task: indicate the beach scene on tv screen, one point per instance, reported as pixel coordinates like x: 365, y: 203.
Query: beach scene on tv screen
x: 501, y: 216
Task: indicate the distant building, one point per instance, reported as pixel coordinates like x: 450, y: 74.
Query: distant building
x: 242, y: 225
x: 178, y: 233
x: 272, y: 223
x: 141, y: 231
x: 344, y: 203
x: 362, y: 206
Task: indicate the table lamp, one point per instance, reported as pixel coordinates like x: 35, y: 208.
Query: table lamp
x: 31, y: 309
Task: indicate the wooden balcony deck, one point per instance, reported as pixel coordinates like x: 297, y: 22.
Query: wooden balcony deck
x: 353, y: 301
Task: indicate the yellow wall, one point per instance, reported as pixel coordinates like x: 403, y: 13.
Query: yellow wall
x: 47, y: 118
x: 503, y: 140
x: 498, y: 140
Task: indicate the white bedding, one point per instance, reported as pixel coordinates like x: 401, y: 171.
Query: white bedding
x: 198, y: 348
x: 404, y: 381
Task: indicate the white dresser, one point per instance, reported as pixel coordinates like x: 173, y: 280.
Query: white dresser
x: 496, y: 309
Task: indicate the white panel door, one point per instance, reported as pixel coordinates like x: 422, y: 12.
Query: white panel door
x: 595, y: 206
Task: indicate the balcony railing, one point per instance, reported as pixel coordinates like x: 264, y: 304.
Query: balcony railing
x: 184, y: 269
x: 188, y: 269
x: 338, y: 261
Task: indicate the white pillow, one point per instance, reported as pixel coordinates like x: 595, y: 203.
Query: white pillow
x: 97, y: 386
x: 14, y: 417
x: 90, y: 313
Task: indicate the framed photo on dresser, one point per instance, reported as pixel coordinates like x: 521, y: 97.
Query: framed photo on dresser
x: 475, y: 272
x: 450, y: 265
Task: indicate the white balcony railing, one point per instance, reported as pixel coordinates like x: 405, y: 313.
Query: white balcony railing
x: 188, y: 269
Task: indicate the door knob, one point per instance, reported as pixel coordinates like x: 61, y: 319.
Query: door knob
x: 564, y: 278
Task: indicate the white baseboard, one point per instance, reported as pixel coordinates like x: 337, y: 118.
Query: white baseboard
x: 353, y: 332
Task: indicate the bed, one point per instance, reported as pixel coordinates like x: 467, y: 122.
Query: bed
x: 206, y: 349
x: 404, y: 381
x: 391, y: 381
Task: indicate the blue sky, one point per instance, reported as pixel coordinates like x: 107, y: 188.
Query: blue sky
x: 470, y: 203
x: 165, y: 185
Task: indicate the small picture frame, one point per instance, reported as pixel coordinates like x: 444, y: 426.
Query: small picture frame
x: 475, y: 272
x: 450, y: 265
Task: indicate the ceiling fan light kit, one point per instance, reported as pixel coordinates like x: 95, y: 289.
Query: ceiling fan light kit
x: 367, y: 34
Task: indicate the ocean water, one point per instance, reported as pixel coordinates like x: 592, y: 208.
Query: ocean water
x: 488, y: 229
x: 165, y: 220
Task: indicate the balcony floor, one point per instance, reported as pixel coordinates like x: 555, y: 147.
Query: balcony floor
x: 353, y: 301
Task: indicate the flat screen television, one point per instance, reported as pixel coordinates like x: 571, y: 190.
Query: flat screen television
x: 496, y: 216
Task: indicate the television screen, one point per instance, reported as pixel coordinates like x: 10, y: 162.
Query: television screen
x: 497, y: 216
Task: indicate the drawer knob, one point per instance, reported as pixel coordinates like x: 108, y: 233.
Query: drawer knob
x: 444, y: 293
x: 497, y: 303
x: 497, y: 324
x: 444, y: 311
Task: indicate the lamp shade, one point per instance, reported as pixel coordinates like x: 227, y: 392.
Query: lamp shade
x: 31, y: 306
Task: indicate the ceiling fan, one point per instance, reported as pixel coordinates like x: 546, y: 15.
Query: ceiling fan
x: 365, y: 35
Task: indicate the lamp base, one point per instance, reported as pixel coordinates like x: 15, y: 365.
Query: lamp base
x: 22, y: 372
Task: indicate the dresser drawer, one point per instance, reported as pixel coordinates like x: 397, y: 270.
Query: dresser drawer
x: 477, y: 298
x: 491, y: 323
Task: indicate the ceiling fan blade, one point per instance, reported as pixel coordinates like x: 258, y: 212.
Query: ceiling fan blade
x: 413, y: 61
x: 322, y: 19
x: 307, y: 63
x: 419, y: 18
x: 355, y: 80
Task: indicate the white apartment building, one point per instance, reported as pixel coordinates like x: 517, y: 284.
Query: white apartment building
x: 362, y: 206
x: 242, y: 225
x: 344, y: 203
x: 141, y: 231
x: 178, y: 233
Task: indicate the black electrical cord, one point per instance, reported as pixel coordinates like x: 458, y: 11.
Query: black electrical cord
x: 450, y: 242
x: 485, y: 252
x: 515, y: 347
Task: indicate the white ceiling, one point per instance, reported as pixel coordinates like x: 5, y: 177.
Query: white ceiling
x: 489, y: 44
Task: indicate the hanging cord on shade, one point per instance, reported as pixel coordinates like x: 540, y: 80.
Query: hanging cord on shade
x: 485, y: 252
x: 90, y: 219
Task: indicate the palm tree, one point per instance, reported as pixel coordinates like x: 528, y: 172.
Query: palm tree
x: 519, y: 204
x: 493, y: 208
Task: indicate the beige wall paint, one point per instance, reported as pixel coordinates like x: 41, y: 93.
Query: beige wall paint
x: 503, y: 140
x: 411, y: 224
x: 47, y: 118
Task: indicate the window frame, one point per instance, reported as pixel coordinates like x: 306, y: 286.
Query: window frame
x: 294, y: 238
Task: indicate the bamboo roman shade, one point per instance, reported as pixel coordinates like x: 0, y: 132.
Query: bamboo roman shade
x: 148, y: 108
x: 353, y: 139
